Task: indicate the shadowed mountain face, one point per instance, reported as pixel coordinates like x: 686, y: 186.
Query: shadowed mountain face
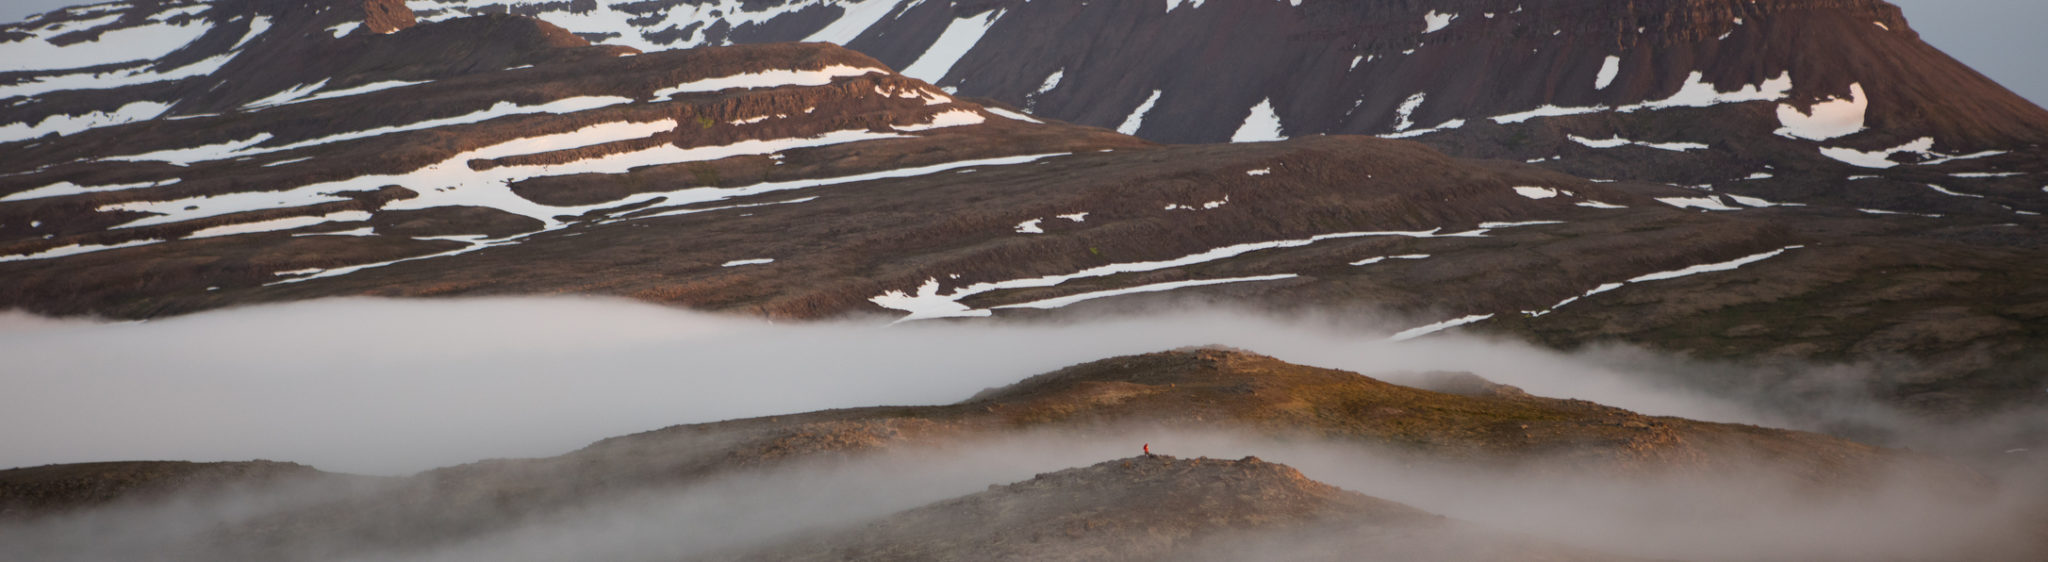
x: 1147, y: 507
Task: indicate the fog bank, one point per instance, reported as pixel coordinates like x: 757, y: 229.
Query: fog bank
x: 396, y: 386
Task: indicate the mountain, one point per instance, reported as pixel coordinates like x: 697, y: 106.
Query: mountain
x: 763, y: 469
x: 284, y: 151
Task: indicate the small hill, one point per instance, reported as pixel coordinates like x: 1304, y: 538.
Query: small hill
x: 1166, y: 508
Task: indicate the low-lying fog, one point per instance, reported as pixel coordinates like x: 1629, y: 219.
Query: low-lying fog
x: 1746, y: 514
x: 397, y: 386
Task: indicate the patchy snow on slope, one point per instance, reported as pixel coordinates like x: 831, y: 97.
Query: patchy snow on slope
x: 1484, y: 226
x: 1885, y: 212
x: 500, y: 109
x: 61, y: 189
x: 959, y: 37
x: 256, y: 29
x: 275, y: 225
x: 187, y: 156
x: 1987, y: 174
x: 1618, y: 142
x: 1946, y: 191
x: 1420, y: 331
x: 1608, y: 70
x: 927, y: 303
x: 359, y: 90
x: 1880, y: 159
x: 1828, y: 119
x: 1403, y: 115
x: 76, y: 249
x: 954, y: 118
x: 1709, y: 203
x: 1030, y: 227
x: 755, y: 261
x: 1059, y: 302
x: 344, y: 29
x: 778, y: 78
x: 1697, y: 92
x: 1208, y: 206
x: 1599, y: 205
x: 1546, y: 111
x: 1412, y: 133
x: 859, y: 15
x: 1136, y: 119
x: 287, y: 96
x: 1759, y: 202
x: 1370, y: 261
x: 287, y: 162
x: 1012, y: 115
x: 1262, y: 125
x: 1258, y: 172
x: 66, y: 125
x: 1539, y: 192
x: 113, y: 79
x: 146, y: 42
x: 1729, y: 265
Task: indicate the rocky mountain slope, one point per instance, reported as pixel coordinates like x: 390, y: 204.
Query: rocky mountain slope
x: 277, y: 151
x: 1145, y: 507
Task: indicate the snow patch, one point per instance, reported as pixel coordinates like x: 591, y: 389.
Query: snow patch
x: 1136, y: 119
x: 1709, y: 203
x: 960, y: 36
x: 1403, y: 115
x: 1618, y: 142
x: 954, y: 118
x: 1420, y: 331
x: 1435, y: 21
x: 1828, y: 119
x: 1059, y: 302
x: 1729, y: 265
x: 1608, y: 70
x: 1263, y: 124
x: 1946, y: 191
x: 1880, y: 159
x: 66, y: 125
x: 76, y: 249
x: 778, y: 78
x: 275, y: 225
x: 1540, y: 192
